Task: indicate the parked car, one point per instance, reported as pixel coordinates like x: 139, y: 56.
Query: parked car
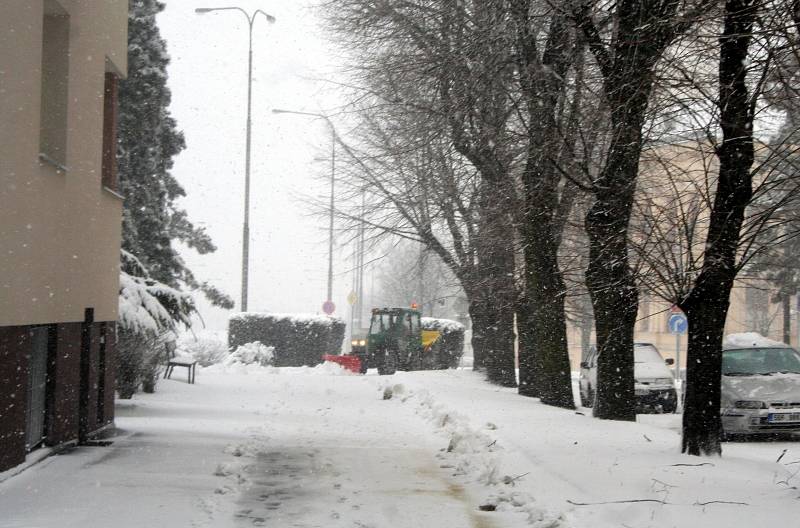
x: 760, y: 386
x: 654, y: 384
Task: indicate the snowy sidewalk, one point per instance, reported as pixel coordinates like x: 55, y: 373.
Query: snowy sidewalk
x: 252, y: 447
x: 573, y: 464
x: 316, y: 448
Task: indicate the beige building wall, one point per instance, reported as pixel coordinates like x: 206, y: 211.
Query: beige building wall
x: 653, y: 316
x: 689, y: 171
x: 59, y: 227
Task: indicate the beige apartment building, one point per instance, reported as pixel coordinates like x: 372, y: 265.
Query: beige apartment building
x: 750, y: 311
x: 674, y: 186
x: 60, y: 217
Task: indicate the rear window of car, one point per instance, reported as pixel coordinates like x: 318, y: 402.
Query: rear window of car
x: 755, y: 361
x: 646, y: 354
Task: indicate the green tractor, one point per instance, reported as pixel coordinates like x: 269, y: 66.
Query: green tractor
x: 395, y: 341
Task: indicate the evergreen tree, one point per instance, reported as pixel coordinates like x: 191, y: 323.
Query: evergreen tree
x: 148, y: 140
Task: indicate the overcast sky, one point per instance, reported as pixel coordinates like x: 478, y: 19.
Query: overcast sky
x: 208, y: 78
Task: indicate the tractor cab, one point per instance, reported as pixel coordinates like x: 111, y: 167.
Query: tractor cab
x: 393, y: 341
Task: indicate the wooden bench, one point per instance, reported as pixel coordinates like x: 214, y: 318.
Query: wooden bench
x: 179, y: 361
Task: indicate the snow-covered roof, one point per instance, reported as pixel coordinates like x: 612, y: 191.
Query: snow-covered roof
x: 750, y: 340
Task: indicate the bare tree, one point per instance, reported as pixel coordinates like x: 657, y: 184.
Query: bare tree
x: 721, y: 199
x: 442, y: 69
x: 627, y: 39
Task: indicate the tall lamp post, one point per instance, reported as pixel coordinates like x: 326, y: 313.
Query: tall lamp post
x: 328, y: 307
x: 251, y: 18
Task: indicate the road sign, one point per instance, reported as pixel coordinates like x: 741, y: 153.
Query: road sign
x: 677, y: 324
x: 352, y: 298
x: 328, y: 307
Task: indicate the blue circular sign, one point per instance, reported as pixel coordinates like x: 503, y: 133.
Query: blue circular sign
x: 678, y: 324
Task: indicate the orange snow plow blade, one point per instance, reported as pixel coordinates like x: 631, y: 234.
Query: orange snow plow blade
x: 429, y: 337
x: 352, y: 363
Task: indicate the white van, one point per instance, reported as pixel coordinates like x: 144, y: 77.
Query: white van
x: 654, y: 384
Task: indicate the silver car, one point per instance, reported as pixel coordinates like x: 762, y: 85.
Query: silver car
x: 654, y: 385
x: 760, y: 386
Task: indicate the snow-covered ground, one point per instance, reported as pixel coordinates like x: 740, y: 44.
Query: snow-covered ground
x: 258, y: 446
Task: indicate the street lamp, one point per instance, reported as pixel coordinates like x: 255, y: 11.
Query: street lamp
x: 246, y: 226
x: 328, y: 303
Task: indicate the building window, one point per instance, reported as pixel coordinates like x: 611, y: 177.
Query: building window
x: 110, y: 131
x: 55, y: 80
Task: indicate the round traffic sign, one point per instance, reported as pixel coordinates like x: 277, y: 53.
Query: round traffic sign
x: 328, y: 307
x: 678, y: 324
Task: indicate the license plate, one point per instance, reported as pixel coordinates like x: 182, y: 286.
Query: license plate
x: 783, y: 417
x: 641, y: 392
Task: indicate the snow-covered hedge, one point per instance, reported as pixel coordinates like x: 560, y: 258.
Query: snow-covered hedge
x: 449, y: 347
x: 298, y: 339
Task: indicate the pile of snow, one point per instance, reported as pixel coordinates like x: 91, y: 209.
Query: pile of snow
x: 473, y: 452
x: 206, y: 350
x: 251, y: 354
x: 750, y: 340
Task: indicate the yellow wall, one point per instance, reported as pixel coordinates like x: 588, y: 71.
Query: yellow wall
x: 672, y: 176
x: 59, y: 230
x: 652, y: 326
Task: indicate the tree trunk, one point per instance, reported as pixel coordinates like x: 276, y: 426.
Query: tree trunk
x: 496, y: 285
x: 643, y: 31
x: 528, y: 384
x: 615, y: 301
x: 499, y: 346
x: 479, y: 329
x: 545, y: 287
x: 786, y: 302
x: 702, y: 425
x: 615, y: 296
x: 706, y: 306
x: 587, y: 325
x: 547, y: 372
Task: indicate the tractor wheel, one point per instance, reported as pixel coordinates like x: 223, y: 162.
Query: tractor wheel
x: 389, y: 363
x: 415, y: 361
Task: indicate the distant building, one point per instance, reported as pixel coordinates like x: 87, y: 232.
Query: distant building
x: 672, y: 181
x: 60, y: 218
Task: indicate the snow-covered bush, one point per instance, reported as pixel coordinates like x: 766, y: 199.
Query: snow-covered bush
x: 251, y: 354
x: 298, y: 339
x: 205, y: 350
x: 449, y: 348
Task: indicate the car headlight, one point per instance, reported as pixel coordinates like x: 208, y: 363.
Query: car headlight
x: 363, y: 342
x: 748, y: 404
x: 354, y: 342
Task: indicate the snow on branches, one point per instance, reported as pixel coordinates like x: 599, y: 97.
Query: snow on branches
x: 147, y: 306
